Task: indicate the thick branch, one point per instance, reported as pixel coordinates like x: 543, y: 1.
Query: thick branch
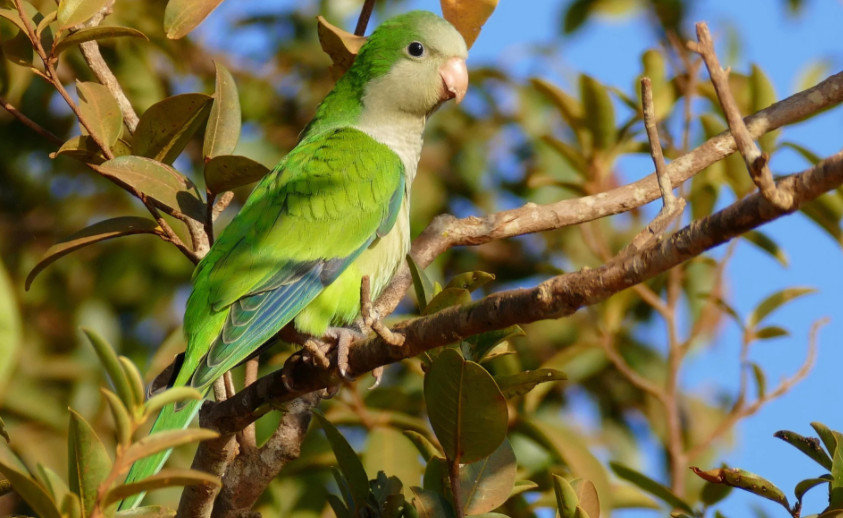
x: 554, y: 298
x: 446, y: 231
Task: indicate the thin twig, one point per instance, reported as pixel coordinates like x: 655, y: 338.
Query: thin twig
x: 655, y: 146
x: 363, y: 20
x: 627, y: 371
x: 31, y: 124
x: 756, y: 162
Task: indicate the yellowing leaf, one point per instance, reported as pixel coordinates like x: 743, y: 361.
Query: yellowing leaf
x: 341, y: 46
x: 226, y: 172
x: 166, y: 127
x: 74, y: 12
x: 223, y: 128
x: 468, y: 16
x: 166, y: 478
x: 95, y: 33
x: 182, y: 16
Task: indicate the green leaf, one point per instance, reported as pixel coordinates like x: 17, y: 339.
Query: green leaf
x: 74, y: 12
x: 569, y: 108
x: 519, y: 384
x: 446, y: 298
x: 570, y: 153
x: 149, y: 511
x: 577, y: 14
x: 826, y: 435
x: 11, y: 335
x: 522, y: 486
x: 470, y: 281
x: 166, y: 127
x: 13, y: 16
x: 350, y: 464
x: 171, y: 395
x: 87, y: 459
x: 481, y: 345
x: 566, y: 497
x: 488, y: 482
x: 339, y: 508
x: 436, y: 477
x: 745, y: 480
x: 182, y: 16
x: 100, y: 231
x: 95, y: 33
x: 805, y: 485
x: 835, y: 498
x: 426, y: 448
x: 108, y: 359
x: 223, y: 128
x: 52, y: 482
x: 390, y: 451
x: 825, y: 212
x: 165, y: 186
x: 165, y: 440
x: 763, y: 95
x: 135, y: 379
x: 165, y: 478
x: 227, y: 172
x: 466, y: 408
x: 100, y: 110
x: 650, y: 486
x: 82, y: 148
x: 763, y: 242
x: 773, y: 302
x: 3, y: 432
x: 28, y: 489
x: 122, y: 421
x: 811, y: 157
x: 421, y: 282
x: 760, y: 379
x: 431, y: 505
x: 601, y: 114
x: 768, y: 332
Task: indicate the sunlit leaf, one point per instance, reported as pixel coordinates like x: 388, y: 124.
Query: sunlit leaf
x: 108, y: 359
x: 133, y: 376
x: 96, y: 33
x: 589, y: 501
x: 88, y: 461
x: 745, y: 480
x: 223, y: 128
x: 122, y: 421
x: 651, y: 486
x: 810, y: 446
x: 74, y: 12
x: 171, y: 395
x: 835, y: 493
x: 165, y: 478
x: 100, y: 231
x: 470, y: 281
x: 446, y: 298
x: 601, y: 114
x: 182, y: 16
x: 566, y: 497
x: 161, y: 183
x: 763, y: 95
x: 350, y: 464
x: 166, y: 127
x: 227, y: 172
x: 423, y: 445
x: 523, y: 486
x: 11, y: 334
x: 165, y: 440
x: 805, y: 485
x: 826, y: 435
x: 466, y: 408
x: 488, y: 482
x: 390, y: 451
x: 341, y: 46
x: 468, y: 16
x: 100, y: 111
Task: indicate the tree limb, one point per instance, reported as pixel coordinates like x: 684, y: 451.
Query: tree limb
x: 557, y: 297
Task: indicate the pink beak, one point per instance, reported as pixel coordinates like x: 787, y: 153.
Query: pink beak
x: 454, y: 78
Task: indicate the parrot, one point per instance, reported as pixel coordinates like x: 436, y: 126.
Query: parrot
x: 334, y: 210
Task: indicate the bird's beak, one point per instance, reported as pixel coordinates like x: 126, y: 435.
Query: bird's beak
x: 454, y: 78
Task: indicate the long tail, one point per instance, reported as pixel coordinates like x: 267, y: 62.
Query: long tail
x: 168, y: 419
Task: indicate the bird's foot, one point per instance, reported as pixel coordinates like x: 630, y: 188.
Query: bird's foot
x: 371, y: 319
x: 343, y: 337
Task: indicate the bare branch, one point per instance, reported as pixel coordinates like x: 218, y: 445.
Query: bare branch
x: 756, y: 162
x: 31, y: 124
x: 557, y: 297
x: 363, y: 20
x: 446, y: 231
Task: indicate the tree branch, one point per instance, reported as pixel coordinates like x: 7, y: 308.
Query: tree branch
x: 557, y: 297
x: 446, y: 231
x: 31, y: 124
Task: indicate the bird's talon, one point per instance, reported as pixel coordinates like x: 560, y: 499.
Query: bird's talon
x: 378, y: 374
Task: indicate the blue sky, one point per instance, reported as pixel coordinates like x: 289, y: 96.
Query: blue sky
x: 783, y: 45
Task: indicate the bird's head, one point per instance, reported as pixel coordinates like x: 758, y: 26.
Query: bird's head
x: 413, y: 62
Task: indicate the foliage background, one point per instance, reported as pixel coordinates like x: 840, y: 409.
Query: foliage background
x: 133, y: 290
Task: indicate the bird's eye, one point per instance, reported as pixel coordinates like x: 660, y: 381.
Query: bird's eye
x: 415, y: 49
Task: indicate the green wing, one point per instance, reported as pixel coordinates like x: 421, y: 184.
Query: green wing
x: 304, y: 224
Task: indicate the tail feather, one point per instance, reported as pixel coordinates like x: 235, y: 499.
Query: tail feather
x: 168, y: 419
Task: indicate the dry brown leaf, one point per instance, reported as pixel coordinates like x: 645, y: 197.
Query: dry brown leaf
x: 340, y: 45
x: 468, y: 16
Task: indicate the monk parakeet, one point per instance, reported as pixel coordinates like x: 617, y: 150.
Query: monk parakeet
x: 334, y: 210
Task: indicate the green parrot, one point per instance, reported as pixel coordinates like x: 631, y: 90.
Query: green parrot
x: 334, y: 210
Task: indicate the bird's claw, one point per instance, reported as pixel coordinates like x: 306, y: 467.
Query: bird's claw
x: 371, y: 319
x: 343, y: 337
